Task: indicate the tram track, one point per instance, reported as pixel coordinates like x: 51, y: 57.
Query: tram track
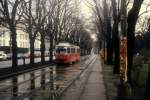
x: 55, y: 77
x: 29, y: 71
x: 13, y: 74
x: 91, y: 62
x: 68, y: 83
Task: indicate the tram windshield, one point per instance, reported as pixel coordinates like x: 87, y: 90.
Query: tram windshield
x: 61, y: 50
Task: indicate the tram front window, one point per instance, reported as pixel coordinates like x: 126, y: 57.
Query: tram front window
x: 60, y: 50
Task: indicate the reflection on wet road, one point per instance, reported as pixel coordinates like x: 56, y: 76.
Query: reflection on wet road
x: 43, y: 80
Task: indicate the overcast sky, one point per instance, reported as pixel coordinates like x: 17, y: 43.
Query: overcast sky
x: 86, y: 12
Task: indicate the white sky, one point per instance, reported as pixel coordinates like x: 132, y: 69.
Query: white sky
x: 85, y: 10
x: 144, y: 16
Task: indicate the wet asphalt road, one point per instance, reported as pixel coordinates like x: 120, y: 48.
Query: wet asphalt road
x: 25, y: 84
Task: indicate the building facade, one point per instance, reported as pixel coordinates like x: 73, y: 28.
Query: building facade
x: 23, y: 41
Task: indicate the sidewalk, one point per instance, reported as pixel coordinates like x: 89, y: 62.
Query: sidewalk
x: 111, y: 82
x: 95, y: 88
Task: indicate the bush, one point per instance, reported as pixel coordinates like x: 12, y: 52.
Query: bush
x: 140, y: 68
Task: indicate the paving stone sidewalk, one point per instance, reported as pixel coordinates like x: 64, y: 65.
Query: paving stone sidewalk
x: 95, y: 88
x: 101, y: 84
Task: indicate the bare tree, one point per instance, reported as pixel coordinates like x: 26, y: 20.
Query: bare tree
x: 60, y: 21
x: 132, y: 20
x: 115, y: 36
x: 33, y: 19
x: 103, y: 23
x: 64, y: 16
x: 41, y: 25
x: 9, y: 10
x: 99, y: 23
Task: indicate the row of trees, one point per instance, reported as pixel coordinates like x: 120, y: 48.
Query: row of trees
x: 56, y: 20
x: 108, y: 20
x: 108, y: 29
x: 107, y: 24
x: 143, y: 47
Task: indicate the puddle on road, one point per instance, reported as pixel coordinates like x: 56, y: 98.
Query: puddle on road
x: 25, y: 83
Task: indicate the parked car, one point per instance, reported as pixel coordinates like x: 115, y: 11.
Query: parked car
x: 26, y: 55
x: 20, y: 55
x: 9, y: 55
x: 3, y: 56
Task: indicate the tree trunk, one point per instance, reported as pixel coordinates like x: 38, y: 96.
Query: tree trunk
x: 51, y: 48
x: 109, y: 44
x: 131, y: 20
x: 115, y: 39
x: 31, y: 51
x: 14, y: 47
x: 42, y: 48
x: 31, y: 36
x: 104, y: 49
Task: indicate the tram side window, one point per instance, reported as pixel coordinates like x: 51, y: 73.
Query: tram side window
x: 72, y: 50
x: 68, y: 50
x: 78, y: 50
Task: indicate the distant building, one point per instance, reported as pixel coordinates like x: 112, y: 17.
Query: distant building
x: 23, y: 41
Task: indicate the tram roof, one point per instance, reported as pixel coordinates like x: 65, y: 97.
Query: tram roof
x: 66, y: 44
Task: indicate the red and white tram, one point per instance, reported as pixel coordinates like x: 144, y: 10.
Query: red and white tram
x: 67, y: 53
